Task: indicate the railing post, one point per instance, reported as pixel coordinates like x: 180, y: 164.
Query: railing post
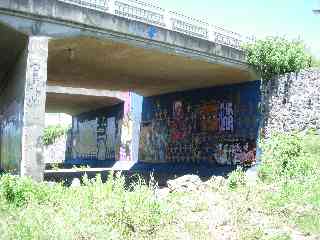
x: 167, y: 19
x: 111, y: 6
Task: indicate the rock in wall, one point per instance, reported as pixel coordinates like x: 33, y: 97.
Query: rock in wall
x: 291, y: 102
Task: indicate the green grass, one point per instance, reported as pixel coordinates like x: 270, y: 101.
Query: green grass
x: 95, y: 210
x: 288, y: 190
x: 297, y: 198
x: 287, y: 196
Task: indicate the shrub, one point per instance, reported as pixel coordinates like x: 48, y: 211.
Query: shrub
x: 289, y: 155
x: 95, y: 210
x: 19, y: 191
x: 237, y: 178
x: 53, y: 132
x: 278, y: 154
x: 315, y: 62
x: 275, y: 55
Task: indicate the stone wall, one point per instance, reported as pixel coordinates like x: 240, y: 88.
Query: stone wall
x: 291, y: 102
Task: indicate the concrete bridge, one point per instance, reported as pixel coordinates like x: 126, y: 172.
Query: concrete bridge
x: 113, y: 65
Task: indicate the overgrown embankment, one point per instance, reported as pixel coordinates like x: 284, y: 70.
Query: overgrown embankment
x: 284, y: 203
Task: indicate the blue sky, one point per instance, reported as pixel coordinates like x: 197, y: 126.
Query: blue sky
x: 290, y: 18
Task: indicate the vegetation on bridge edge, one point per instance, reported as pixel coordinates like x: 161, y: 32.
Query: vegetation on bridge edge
x: 274, y: 56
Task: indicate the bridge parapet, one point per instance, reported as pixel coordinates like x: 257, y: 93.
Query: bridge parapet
x: 155, y: 15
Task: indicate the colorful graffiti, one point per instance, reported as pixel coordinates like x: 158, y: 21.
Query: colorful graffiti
x: 97, y: 135
x: 10, y: 138
x: 105, y: 134
x: 216, y: 125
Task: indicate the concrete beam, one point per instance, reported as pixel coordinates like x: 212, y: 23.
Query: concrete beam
x: 85, y: 92
x: 75, y: 101
x: 60, y: 20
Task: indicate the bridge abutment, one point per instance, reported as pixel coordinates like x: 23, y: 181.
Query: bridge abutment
x: 23, y: 110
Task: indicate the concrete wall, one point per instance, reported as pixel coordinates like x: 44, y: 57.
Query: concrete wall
x: 214, y: 125
x: 56, y: 152
x: 11, y: 115
x: 96, y: 136
x: 292, y: 102
x: 58, y: 119
x: 107, y: 134
x: 22, y: 104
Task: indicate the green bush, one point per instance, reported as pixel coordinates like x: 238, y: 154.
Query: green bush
x: 19, y: 191
x: 53, y: 132
x: 275, y: 55
x: 237, y: 178
x: 315, y: 62
x: 282, y: 156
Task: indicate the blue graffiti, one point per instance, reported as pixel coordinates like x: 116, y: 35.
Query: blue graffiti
x: 152, y: 32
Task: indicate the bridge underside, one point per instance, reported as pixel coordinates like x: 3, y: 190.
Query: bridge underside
x: 102, y: 82
x: 75, y: 101
x: 104, y: 64
x: 12, y: 43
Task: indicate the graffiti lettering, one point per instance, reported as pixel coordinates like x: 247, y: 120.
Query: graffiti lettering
x: 200, y: 129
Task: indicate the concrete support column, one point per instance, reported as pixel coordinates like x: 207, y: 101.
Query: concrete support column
x: 32, y: 163
x: 131, y: 127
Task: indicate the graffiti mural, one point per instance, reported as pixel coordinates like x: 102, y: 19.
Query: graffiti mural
x: 215, y: 125
x: 97, y: 135
x: 126, y: 129
x: 10, y: 138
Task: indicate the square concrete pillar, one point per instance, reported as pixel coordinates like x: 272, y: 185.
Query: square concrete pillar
x: 32, y: 161
x: 131, y: 127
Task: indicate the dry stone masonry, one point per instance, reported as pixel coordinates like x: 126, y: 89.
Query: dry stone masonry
x: 292, y: 102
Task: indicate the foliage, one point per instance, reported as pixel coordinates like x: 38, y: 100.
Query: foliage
x: 282, y: 156
x: 275, y: 55
x: 288, y: 195
x: 53, y: 132
x: 19, y: 191
x: 94, y: 210
x: 315, y: 62
x: 291, y: 165
x: 237, y: 178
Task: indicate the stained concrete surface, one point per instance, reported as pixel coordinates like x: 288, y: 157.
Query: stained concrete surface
x: 74, y: 101
x: 12, y: 44
x: 103, y: 64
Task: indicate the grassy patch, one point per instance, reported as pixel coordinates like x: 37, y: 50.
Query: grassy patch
x: 291, y: 164
x: 95, y: 210
x: 286, y: 197
x: 309, y: 223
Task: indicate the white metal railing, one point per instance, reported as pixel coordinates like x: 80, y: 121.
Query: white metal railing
x: 141, y: 11
x: 100, y: 5
x: 189, y: 25
x: 144, y: 11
